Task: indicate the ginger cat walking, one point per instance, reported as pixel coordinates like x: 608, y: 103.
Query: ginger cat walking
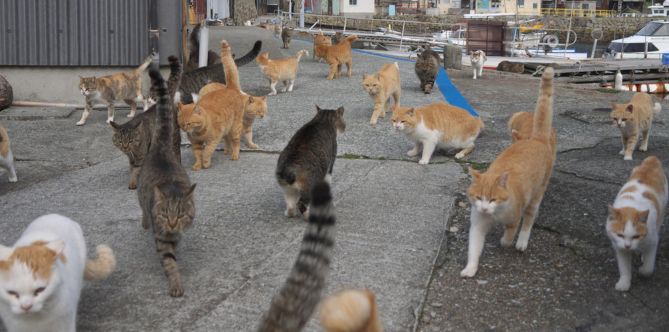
x: 284, y: 70
x: 337, y: 55
x: 513, y: 187
x: 633, y: 119
x: 380, y: 87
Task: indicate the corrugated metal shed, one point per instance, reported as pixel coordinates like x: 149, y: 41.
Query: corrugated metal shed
x: 73, y: 32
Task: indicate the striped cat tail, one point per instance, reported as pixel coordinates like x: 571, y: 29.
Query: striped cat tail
x: 174, y: 81
x: 253, y: 53
x: 543, y: 115
x: 163, y: 131
x: 292, y: 307
x: 144, y: 65
x: 101, y: 267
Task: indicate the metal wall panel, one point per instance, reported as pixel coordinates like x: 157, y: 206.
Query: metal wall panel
x: 74, y: 32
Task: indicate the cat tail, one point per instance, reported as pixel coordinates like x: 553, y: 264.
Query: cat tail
x: 164, y: 119
x: 194, y: 39
x: 292, y: 307
x: 351, y: 38
x: 657, y: 108
x: 301, y: 53
x: 143, y: 66
x: 543, y: 115
x: 253, y: 53
x: 350, y: 310
x: 101, y: 267
x: 229, y: 67
x: 174, y: 81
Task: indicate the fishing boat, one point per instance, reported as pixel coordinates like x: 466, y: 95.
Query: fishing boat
x: 650, y: 42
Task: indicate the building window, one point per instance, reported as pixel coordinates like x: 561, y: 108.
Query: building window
x: 520, y: 3
x: 535, y: 5
x: 352, y: 2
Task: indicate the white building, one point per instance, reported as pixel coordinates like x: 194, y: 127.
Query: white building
x: 357, y: 8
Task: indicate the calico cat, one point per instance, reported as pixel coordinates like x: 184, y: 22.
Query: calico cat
x: 164, y: 192
x: 514, y: 185
x: 220, y: 114
x: 108, y: 89
x: 309, y: 157
x: 320, y: 40
x: 286, y: 35
x: 193, y: 81
x: 292, y: 307
x: 6, y: 156
x: 635, y: 219
x: 284, y: 70
x: 427, y: 68
x: 337, y: 55
x: 633, y: 119
x: 477, y: 58
x: 380, y: 87
x: 42, y: 274
x: 133, y: 138
x: 520, y: 125
x: 194, y: 54
x: 437, y: 125
x: 351, y: 311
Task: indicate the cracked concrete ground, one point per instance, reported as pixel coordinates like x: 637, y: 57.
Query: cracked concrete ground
x: 402, y: 227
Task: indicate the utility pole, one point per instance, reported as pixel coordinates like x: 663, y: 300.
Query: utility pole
x: 302, y: 14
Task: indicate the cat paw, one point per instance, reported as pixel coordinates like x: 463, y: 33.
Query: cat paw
x: 272, y: 93
x: 235, y: 156
x: 373, y: 122
x: 131, y: 115
x: 176, y: 291
x: 505, y: 243
x: 82, y: 122
x: 521, y: 244
x: 474, y: 77
x: 132, y: 186
x: 646, y: 270
x: 206, y: 164
x: 627, y: 158
x: 459, y: 155
x: 289, y: 213
x: 252, y: 146
x: 623, y: 285
x: 196, y: 167
x: 622, y: 152
x: 469, y: 271
x: 643, y: 148
x: 13, y: 179
x: 412, y: 153
x: 423, y: 162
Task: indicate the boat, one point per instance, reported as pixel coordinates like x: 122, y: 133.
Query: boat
x: 659, y: 10
x: 649, y: 43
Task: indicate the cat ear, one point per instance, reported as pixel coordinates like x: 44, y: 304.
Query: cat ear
x: 56, y: 246
x: 475, y: 174
x: 411, y: 112
x: 502, y: 179
x: 630, y: 108
x: 263, y: 98
x: 364, y: 76
x: 250, y: 100
x: 612, y: 211
x: 340, y: 111
x: 318, y: 109
x: 643, y: 216
x: 191, y: 190
x: 5, y: 252
x: 515, y: 136
x: 613, y: 106
x: 114, y: 125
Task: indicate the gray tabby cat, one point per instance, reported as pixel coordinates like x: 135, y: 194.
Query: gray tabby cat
x: 309, y: 158
x: 293, y: 305
x: 427, y: 68
x: 286, y: 35
x: 165, y: 193
x: 134, y: 137
x: 193, y: 81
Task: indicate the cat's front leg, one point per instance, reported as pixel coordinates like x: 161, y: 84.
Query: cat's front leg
x: 378, y: 108
x: 480, y: 225
x: 167, y: 252
x: 475, y: 71
x: 134, y: 175
x: 87, y: 111
x: 428, y: 149
x: 481, y: 70
x: 197, y: 153
x: 624, y: 258
x: 629, y: 147
x: 248, y: 136
x: 645, y: 136
x: 272, y: 86
x: 464, y: 152
x: 414, y: 152
x: 110, y: 112
x: 648, y: 259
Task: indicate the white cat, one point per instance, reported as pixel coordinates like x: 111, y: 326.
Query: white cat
x: 42, y: 274
x: 635, y: 219
x: 6, y: 156
x: 477, y: 58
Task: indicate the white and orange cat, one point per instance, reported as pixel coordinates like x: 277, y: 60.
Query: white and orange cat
x: 350, y: 310
x: 284, y: 70
x: 6, y: 156
x: 437, y: 125
x: 513, y: 187
x: 635, y: 219
x: 41, y: 275
x: 633, y: 119
x: 381, y: 86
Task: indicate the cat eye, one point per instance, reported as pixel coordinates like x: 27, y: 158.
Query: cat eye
x: 492, y: 200
x: 478, y: 198
x: 636, y: 236
x: 620, y: 236
x: 615, y: 119
x: 13, y: 293
x: 39, y: 290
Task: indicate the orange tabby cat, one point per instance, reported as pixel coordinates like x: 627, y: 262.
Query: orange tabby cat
x: 521, y: 123
x: 337, y: 55
x: 219, y: 114
x: 381, y: 86
x: 350, y: 311
x: 437, y: 124
x: 634, y: 118
x: 213, y: 86
x: 321, y: 40
x: 514, y: 185
x: 280, y: 70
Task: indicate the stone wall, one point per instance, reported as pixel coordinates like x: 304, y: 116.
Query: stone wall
x: 612, y: 27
